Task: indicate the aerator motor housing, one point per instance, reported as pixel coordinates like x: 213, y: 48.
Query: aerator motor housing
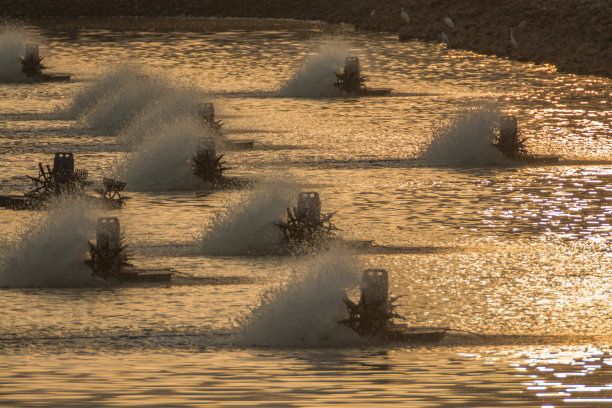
x: 107, y: 256
x: 63, y: 178
x: 206, y: 112
x: 351, y: 80
x: 373, y: 317
x: 374, y: 312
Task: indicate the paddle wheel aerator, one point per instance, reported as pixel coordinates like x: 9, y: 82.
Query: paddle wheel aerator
x: 305, y: 225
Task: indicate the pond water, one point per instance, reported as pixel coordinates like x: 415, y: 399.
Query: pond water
x: 516, y: 257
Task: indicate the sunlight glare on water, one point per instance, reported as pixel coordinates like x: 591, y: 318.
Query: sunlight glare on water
x: 516, y: 257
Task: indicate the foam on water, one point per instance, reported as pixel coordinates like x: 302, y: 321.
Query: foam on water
x: 13, y: 41
x: 316, y: 76
x: 163, y: 160
x: 305, y: 309
x: 52, y: 251
x: 466, y: 140
x: 246, y: 225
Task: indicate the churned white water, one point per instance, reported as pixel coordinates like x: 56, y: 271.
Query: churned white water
x: 515, y: 257
x: 304, y: 310
x: 315, y: 75
x: 466, y: 139
x: 51, y: 251
x: 247, y: 224
x: 13, y: 41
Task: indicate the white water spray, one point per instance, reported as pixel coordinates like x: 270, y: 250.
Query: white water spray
x: 316, y: 77
x: 247, y: 224
x: 108, y: 83
x: 169, y: 105
x: 13, y: 41
x: 52, y: 251
x: 305, y: 310
x: 163, y: 160
x: 466, y: 140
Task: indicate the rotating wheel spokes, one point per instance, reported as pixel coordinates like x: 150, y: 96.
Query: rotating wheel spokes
x: 208, y: 167
x: 105, y: 262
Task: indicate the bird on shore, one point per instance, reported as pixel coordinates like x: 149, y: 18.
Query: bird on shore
x: 444, y: 38
x: 405, y: 16
x: 373, y: 13
x: 449, y: 22
x: 512, y: 39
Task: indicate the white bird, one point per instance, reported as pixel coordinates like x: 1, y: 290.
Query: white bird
x: 449, y: 22
x: 512, y: 39
x: 444, y: 38
x: 405, y: 16
x: 373, y: 13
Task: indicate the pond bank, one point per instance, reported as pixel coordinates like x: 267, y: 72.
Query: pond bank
x: 574, y: 35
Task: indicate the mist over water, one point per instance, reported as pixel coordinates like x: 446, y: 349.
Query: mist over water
x: 52, y: 249
x: 106, y: 83
x: 516, y: 253
x: 315, y: 76
x: 246, y: 224
x: 130, y: 101
x: 305, y: 309
x: 164, y: 108
x: 114, y: 108
x: 466, y: 139
x: 162, y: 161
x: 13, y: 41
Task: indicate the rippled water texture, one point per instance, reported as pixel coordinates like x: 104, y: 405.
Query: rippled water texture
x: 516, y: 257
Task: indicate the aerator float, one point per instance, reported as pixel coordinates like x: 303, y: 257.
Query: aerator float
x: 32, y: 67
x: 306, y: 227
x: 64, y: 180
x: 352, y: 82
x: 373, y: 315
x: 510, y: 143
x: 108, y: 258
x: 206, y: 113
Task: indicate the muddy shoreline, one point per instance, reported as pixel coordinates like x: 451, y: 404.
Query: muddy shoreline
x: 574, y: 35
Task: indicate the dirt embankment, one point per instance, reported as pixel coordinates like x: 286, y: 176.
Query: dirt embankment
x: 574, y: 35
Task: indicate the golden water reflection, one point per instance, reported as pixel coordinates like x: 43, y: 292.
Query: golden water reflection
x: 577, y: 377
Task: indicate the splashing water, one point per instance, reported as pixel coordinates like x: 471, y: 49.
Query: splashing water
x: 13, y: 41
x: 107, y: 83
x: 305, y: 310
x: 116, y: 99
x: 163, y: 160
x: 53, y: 250
x: 165, y: 108
x: 118, y: 107
x: 466, y: 140
x: 247, y: 225
x: 317, y: 76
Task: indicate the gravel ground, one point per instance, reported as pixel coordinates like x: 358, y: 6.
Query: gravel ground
x: 574, y: 35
